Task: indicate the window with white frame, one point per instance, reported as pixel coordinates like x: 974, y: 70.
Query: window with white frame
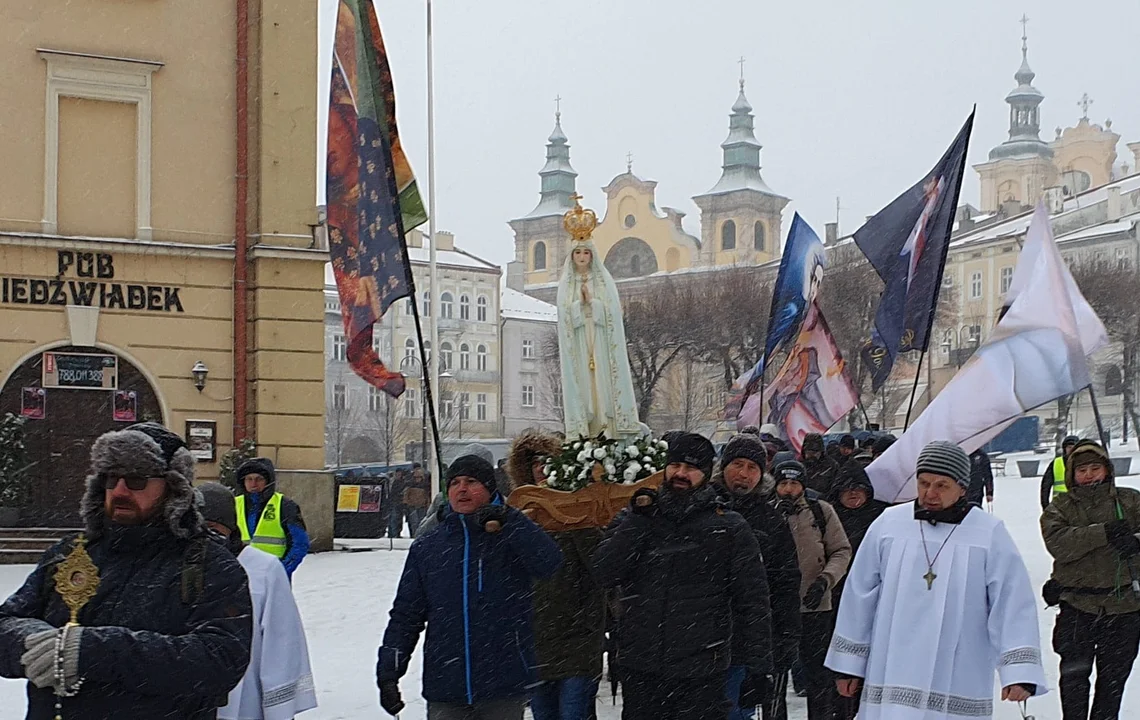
x: 710, y: 396
x: 408, y: 306
x: 464, y: 406
x: 528, y: 396
x: 556, y: 394
x: 411, y: 407
x: 340, y: 397
x: 427, y: 303
x: 947, y: 341
x: 464, y: 357
x: 1123, y: 262
x: 448, y: 409
x: 481, y: 358
x: 528, y: 348
x: 409, y: 348
x: 976, y: 286
x: 481, y: 406
x: 445, y: 355
x: 340, y: 347
x: 481, y: 309
x: 446, y: 304
x: 375, y: 399
x: 1006, y: 279
x: 464, y: 307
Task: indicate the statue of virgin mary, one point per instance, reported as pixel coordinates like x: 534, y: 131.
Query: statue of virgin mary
x: 597, y: 387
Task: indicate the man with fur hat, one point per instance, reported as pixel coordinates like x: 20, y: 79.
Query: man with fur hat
x: 937, y: 600
x: 695, y: 593
x: 1090, y: 531
x: 742, y: 485
x: 824, y: 554
x: 569, y: 608
x: 268, y: 520
x: 470, y: 581
x: 278, y: 685
x: 820, y: 470
x: 168, y: 631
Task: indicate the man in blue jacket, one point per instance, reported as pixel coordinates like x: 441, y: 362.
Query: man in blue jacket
x: 469, y: 580
x: 267, y: 520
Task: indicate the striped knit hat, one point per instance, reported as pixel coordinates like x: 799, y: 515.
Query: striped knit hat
x: 943, y: 457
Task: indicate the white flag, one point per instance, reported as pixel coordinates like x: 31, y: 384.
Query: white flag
x: 1036, y: 354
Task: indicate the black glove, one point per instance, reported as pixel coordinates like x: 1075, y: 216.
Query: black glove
x: 1122, y: 540
x: 644, y: 502
x: 491, y: 514
x: 390, y: 698
x: 814, y: 595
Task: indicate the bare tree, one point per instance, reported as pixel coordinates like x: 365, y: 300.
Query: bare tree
x: 656, y: 332
x: 1112, y: 290
x: 549, y: 388
x: 684, y: 393
x: 393, y: 430
x: 342, y: 421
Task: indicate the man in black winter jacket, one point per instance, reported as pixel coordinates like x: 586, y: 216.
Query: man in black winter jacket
x: 740, y: 482
x: 168, y: 633
x: 821, y: 470
x: 981, y: 478
x: 695, y: 593
x: 853, y: 498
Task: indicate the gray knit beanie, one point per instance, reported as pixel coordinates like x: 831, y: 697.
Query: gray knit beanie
x: 943, y: 457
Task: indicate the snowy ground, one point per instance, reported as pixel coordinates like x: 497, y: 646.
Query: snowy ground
x: 345, y: 597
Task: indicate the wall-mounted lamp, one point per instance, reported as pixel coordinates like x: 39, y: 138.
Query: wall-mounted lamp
x: 200, y: 371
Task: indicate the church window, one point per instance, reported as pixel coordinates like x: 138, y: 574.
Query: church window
x: 630, y: 221
x: 758, y: 236
x: 728, y: 235
x: 540, y: 255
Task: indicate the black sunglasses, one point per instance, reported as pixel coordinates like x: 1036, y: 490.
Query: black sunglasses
x: 134, y: 482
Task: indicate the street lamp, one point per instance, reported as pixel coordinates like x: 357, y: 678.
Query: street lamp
x: 417, y: 366
x: 973, y: 341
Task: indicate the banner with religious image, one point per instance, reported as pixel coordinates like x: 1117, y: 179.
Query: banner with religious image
x: 812, y: 390
x: 371, y: 194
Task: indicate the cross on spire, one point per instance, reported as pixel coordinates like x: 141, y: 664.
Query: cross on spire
x: 1083, y: 104
x: 629, y: 162
x: 558, y: 107
x: 741, y: 63
x: 1024, y: 33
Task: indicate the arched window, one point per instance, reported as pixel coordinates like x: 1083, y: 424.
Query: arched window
x: 445, y: 355
x: 464, y: 307
x: 427, y: 351
x: 446, y: 303
x: 481, y: 309
x: 409, y: 348
x: 1113, y: 381
x: 427, y: 303
x: 540, y: 255
x: 481, y: 358
x: 728, y: 235
x: 464, y: 357
x: 758, y: 236
x: 635, y: 265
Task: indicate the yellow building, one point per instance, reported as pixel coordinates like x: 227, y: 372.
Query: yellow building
x: 740, y: 216
x: 1024, y: 168
x: 119, y: 209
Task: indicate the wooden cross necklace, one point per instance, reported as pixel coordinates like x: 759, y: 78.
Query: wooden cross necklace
x: 930, y: 575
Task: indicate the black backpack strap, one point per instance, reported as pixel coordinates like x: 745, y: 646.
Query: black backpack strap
x: 820, y: 516
x: 193, y: 570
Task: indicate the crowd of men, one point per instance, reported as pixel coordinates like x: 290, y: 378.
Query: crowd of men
x: 702, y: 597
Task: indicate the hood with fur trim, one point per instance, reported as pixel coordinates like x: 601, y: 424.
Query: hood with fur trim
x: 528, y: 446
x: 1091, y: 450
x: 136, y: 452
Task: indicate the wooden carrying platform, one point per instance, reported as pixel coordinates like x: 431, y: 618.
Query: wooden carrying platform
x: 591, y: 507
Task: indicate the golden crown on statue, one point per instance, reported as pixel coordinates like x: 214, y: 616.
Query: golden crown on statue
x: 579, y: 222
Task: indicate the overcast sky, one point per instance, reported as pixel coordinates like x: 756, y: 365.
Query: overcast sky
x: 852, y: 99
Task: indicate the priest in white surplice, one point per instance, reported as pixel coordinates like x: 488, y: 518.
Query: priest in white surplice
x: 937, y: 600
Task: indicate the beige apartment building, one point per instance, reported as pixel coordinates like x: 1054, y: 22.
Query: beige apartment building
x: 125, y: 184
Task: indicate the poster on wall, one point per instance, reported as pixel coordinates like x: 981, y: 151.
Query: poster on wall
x: 202, y: 439
x: 33, y: 403
x: 348, y: 498
x: 126, y: 406
x: 370, y: 498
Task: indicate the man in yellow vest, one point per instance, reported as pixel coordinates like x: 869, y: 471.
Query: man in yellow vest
x: 275, y: 520
x: 1053, y: 480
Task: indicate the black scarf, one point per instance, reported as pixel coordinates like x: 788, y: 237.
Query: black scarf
x: 953, y: 515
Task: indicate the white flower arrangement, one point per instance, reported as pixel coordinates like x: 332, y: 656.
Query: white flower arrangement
x: 622, y: 462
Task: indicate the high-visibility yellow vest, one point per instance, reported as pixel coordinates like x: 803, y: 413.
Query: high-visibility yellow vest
x: 1059, y: 485
x: 269, y: 535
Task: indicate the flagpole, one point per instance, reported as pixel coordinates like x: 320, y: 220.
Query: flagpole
x: 914, y: 388
x: 1096, y: 414
x: 433, y: 280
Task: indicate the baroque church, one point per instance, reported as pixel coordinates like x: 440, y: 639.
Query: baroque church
x: 740, y: 217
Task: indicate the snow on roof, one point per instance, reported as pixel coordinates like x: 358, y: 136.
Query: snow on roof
x: 1019, y: 224
x: 443, y: 258
x: 1124, y: 224
x: 520, y: 306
